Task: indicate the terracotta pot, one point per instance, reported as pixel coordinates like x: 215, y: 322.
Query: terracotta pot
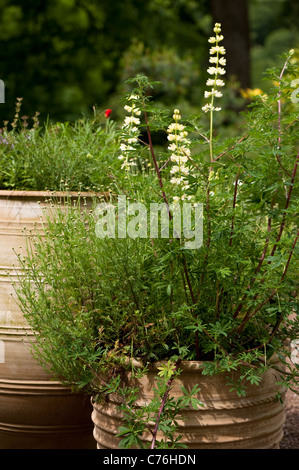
x: 19, y: 210
x: 35, y: 411
x: 225, y: 422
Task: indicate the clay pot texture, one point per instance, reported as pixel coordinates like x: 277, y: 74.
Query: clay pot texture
x: 35, y: 411
x: 226, y: 421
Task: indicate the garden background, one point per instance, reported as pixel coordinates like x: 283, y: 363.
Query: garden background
x: 65, y: 57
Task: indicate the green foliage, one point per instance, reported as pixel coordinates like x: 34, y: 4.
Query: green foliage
x: 74, y: 156
x: 96, y: 303
x: 167, y: 66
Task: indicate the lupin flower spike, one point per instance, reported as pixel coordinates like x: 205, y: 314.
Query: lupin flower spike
x: 179, y: 146
x: 216, y: 70
x: 130, y: 133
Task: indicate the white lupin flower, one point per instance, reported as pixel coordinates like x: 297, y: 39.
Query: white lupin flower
x: 186, y: 151
x: 133, y: 98
x: 217, y: 60
x: 180, y: 159
x: 131, y: 120
x: 209, y: 107
x: 215, y: 70
x: 132, y: 109
x: 217, y: 28
x: 214, y: 92
x: 174, y: 169
x: 216, y: 49
x: 212, y: 82
x: 181, y: 137
x: 172, y: 147
x: 177, y: 181
x: 132, y: 140
x: 184, y: 171
x: 176, y: 126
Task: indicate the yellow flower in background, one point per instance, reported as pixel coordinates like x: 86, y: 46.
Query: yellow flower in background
x: 250, y: 93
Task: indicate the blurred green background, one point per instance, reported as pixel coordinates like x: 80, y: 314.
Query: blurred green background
x: 64, y: 57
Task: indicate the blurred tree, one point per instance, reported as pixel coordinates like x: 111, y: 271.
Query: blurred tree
x: 64, y: 56
x: 55, y: 54
x: 234, y: 20
x: 274, y: 31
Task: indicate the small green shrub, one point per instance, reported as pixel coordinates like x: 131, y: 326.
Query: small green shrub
x: 77, y: 156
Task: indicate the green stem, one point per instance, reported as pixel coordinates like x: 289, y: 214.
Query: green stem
x: 163, y: 403
x: 211, y: 129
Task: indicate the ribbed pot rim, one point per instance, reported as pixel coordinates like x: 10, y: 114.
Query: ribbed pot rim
x: 184, y: 365
x: 16, y: 330
x: 50, y: 193
x: 188, y: 365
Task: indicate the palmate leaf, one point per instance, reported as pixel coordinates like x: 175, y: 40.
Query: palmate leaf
x: 166, y: 370
x: 189, y: 399
x: 132, y: 435
x: 224, y: 272
x: 122, y: 430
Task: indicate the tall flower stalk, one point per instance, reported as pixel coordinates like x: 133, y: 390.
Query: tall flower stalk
x: 217, y: 60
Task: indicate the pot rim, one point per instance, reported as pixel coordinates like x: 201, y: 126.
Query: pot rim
x: 49, y: 193
x: 190, y: 364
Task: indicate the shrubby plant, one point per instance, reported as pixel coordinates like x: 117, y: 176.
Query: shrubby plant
x: 97, y: 303
x: 56, y: 156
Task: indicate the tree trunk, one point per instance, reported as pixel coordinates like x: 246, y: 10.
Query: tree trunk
x: 233, y: 16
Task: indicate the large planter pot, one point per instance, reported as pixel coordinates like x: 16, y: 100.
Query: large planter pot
x: 35, y: 411
x: 226, y: 421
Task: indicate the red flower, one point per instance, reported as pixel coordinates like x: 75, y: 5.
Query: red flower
x: 108, y: 112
